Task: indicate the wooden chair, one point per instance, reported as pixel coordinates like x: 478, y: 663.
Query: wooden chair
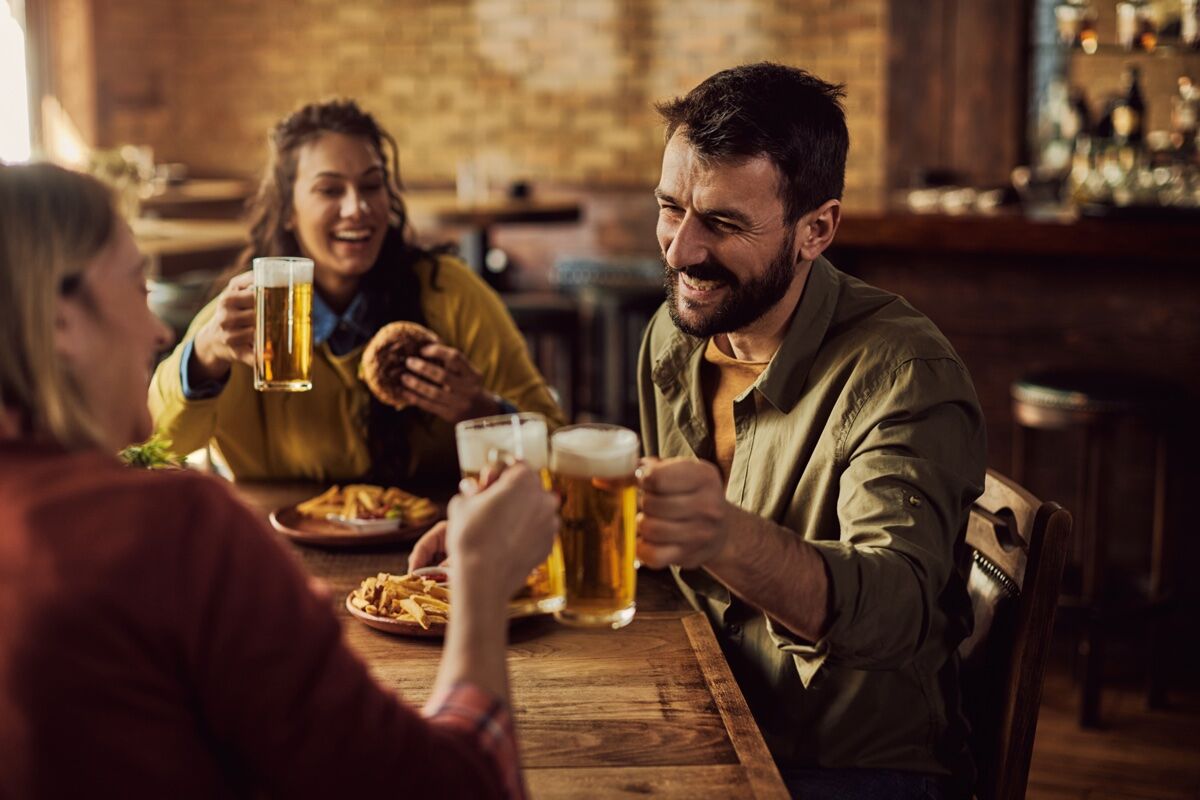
x: 1013, y: 561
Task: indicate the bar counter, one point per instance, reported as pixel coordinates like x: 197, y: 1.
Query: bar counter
x: 1016, y: 295
x: 1065, y: 236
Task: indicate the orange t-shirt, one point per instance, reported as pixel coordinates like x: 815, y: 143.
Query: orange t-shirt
x: 723, y: 378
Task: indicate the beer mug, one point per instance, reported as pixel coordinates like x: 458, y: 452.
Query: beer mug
x: 515, y: 437
x: 593, y: 469
x: 283, y: 290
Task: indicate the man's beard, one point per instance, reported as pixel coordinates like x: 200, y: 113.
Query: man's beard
x: 746, y: 301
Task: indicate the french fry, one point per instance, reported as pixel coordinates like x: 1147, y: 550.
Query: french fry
x: 433, y: 604
x: 320, y: 500
x: 414, y: 608
x: 439, y: 593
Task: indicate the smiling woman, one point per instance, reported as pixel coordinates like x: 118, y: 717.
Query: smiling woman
x: 331, y: 193
x: 14, y: 92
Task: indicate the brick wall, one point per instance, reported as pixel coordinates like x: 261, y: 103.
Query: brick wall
x: 556, y: 91
x: 71, y: 67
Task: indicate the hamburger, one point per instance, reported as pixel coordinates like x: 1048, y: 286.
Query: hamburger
x: 383, y: 361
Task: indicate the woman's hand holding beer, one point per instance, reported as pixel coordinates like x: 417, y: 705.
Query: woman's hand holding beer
x: 684, y: 517
x: 430, y: 549
x: 229, y: 335
x: 497, y: 535
x: 444, y: 383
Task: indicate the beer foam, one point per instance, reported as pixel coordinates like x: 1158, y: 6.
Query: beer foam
x: 475, y: 444
x: 278, y: 271
x: 598, y: 452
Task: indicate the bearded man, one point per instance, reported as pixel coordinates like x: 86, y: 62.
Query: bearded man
x: 814, y: 446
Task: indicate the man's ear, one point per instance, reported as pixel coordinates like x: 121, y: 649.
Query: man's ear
x: 816, y: 229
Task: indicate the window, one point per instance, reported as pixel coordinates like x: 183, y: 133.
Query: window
x: 14, y: 86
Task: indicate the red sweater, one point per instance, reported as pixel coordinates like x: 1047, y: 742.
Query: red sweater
x: 156, y: 640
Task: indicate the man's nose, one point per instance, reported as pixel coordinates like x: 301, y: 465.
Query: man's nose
x: 689, y: 244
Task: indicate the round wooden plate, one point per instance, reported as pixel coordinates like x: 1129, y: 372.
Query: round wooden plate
x: 401, y: 627
x: 330, y: 533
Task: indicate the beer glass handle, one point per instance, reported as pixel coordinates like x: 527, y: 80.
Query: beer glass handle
x: 638, y: 473
x: 497, y: 461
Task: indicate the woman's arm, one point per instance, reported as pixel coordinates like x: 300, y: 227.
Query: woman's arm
x: 275, y: 684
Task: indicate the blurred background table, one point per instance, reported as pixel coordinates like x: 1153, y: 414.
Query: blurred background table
x: 166, y: 238
x: 476, y: 219
x: 210, y: 198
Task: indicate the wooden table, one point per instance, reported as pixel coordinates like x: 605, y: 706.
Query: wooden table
x: 180, y: 246
x: 651, y: 709
x: 222, y: 198
x: 478, y: 218
x: 163, y: 237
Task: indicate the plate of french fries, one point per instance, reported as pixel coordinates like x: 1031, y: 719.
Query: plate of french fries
x: 357, y: 514
x: 414, y: 604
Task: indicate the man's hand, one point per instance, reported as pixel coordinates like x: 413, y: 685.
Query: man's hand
x: 685, y: 518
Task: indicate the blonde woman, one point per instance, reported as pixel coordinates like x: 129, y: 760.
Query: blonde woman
x: 155, y: 640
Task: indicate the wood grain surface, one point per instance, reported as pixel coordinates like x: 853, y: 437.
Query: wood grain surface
x: 651, y: 709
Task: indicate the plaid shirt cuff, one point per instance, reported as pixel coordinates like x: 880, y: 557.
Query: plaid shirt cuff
x: 472, y: 710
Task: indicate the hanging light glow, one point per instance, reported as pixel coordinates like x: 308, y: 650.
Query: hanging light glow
x: 14, y: 89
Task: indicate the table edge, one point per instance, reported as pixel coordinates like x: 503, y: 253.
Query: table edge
x: 751, y: 749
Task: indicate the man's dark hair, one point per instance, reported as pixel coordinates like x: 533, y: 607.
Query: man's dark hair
x: 792, y: 117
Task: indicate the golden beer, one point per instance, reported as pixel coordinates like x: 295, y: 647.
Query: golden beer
x: 594, y: 472
x: 282, y: 324
x: 520, y: 437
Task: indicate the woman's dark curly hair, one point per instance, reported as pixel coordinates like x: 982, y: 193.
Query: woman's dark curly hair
x: 391, y: 288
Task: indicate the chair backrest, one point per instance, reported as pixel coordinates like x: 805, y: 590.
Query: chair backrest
x: 1016, y: 548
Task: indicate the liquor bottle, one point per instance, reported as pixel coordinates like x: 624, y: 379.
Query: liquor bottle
x: 1185, y: 117
x: 1089, y: 38
x: 1129, y: 111
x: 1189, y: 24
x: 1136, y: 29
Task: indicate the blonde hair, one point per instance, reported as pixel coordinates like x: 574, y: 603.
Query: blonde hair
x: 52, y: 223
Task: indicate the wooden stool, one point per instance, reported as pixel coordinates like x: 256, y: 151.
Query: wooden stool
x: 1094, y: 403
